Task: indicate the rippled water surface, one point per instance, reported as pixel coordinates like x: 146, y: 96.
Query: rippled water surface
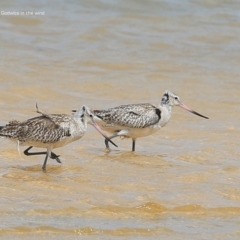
x: 183, y: 181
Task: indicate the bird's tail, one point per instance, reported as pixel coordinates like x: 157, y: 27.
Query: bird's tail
x: 9, y: 130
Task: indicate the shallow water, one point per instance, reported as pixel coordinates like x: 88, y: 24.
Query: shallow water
x: 183, y: 181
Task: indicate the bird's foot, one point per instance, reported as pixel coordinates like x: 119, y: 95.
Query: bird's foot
x: 108, y: 149
x: 56, y: 157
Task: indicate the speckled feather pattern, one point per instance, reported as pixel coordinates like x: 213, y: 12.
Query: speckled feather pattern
x: 48, y: 128
x: 133, y: 115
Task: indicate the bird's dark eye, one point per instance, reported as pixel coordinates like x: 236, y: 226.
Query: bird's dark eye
x: 176, y: 98
x: 91, y: 115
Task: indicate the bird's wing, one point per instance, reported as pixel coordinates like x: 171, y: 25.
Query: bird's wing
x: 133, y: 115
x: 47, y: 128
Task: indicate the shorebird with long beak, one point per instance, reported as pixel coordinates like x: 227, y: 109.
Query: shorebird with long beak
x: 50, y: 131
x: 138, y: 120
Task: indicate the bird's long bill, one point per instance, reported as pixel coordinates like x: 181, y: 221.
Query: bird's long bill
x: 190, y: 110
x: 102, y: 133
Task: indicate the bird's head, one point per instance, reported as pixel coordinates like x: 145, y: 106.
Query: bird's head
x: 86, y: 114
x: 171, y: 99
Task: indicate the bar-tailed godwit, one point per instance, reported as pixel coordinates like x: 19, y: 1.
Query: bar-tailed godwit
x: 138, y: 120
x: 49, y: 131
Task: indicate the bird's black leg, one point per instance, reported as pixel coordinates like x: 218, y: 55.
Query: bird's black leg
x: 45, y: 161
x: 34, y: 153
x: 133, y: 144
x: 53, y: 155
x: 106, y: 141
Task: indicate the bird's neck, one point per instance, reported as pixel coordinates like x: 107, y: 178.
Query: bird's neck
x: 166, y: 106
x: 81, y: 122
x: 166, y: 111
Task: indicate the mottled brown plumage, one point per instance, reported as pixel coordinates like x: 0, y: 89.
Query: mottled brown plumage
x: 133, y: 115
x: 49, y: 131
x: 49, y: 128
x: 138, y: 120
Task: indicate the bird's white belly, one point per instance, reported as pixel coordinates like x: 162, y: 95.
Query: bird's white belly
x: 138, y: 132
x: 30, y: 143
x: 129, y: 132
x: 58, y: 144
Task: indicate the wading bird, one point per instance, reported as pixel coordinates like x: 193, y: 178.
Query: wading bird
x: 50, y: 131
x: 138, y: 120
